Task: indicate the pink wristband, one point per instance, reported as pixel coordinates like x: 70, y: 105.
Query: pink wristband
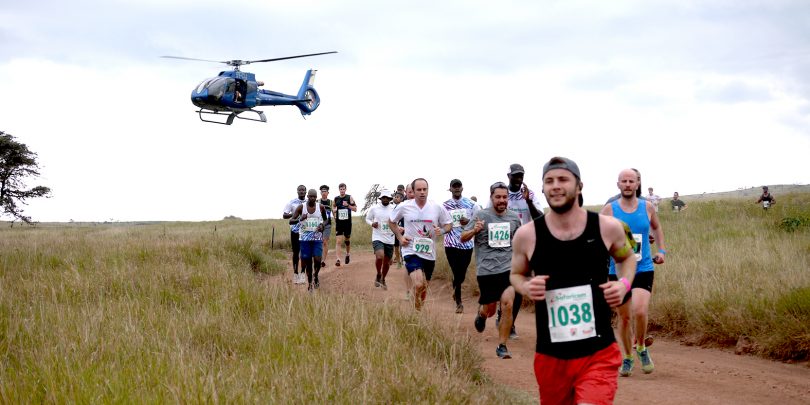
x: 626, y: 283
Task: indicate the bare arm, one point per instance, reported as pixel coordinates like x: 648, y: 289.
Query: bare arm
x: 618, y: 241
x: 658, y: 234
x: 532, y: 209
x: 295, y: 217
x: 470, y: 233
x: 403, y: 240
x: 352, y: 204
x: 522, y: 246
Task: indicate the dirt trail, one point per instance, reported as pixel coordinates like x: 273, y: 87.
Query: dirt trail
x: 682, y: 374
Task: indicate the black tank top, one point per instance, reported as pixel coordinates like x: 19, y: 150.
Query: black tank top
x: 578, y: 262
x: 339, y: 204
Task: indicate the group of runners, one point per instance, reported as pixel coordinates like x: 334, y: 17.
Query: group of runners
x: 559, y: 260
x: 310, y: 228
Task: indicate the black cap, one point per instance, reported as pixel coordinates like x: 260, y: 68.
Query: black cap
x: 454, y: 182
x: 561, y: 163
x: 516, y: 168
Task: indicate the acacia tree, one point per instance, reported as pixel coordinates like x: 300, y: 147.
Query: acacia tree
x: 16, y: 164
x: 371, y: 197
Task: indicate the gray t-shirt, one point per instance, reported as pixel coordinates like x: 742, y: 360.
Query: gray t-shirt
x: 493, y: 244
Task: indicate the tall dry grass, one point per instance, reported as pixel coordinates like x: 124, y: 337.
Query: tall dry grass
x: 188, y: 312
x: 735, y: 270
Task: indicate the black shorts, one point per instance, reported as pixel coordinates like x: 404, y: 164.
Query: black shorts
x: 388, y: 250
x: 492, y: 287
x: 343, y: 228
x: 642, y: 280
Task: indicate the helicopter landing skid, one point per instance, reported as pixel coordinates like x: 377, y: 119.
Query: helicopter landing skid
x: 231, y: 116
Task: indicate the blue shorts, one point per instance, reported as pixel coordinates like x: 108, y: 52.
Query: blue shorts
x: 414, y: 262
x: 311, y: 248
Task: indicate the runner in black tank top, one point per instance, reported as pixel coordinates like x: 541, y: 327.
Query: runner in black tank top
x: 577, y: 359
x: 582, y: 261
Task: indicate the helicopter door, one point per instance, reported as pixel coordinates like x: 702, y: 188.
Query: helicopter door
x: 241, y: 91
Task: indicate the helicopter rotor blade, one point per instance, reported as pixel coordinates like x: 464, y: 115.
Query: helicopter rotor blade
x: 288, y: 57
x: 200, y: 60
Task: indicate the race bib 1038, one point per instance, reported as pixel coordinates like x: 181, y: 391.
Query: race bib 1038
x: 570, y: 314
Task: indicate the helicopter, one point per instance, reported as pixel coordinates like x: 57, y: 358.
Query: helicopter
x: 234, y: 92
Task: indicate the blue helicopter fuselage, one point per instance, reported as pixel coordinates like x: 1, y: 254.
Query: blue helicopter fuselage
x: 239, y: 91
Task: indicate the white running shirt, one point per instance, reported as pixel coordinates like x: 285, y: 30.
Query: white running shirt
x: 419, y: 223
x: 380, y: 214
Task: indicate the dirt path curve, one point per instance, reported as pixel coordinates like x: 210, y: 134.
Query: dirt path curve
x: 682, y: 374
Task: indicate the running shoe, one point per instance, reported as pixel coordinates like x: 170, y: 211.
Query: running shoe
x: 503, y: 352
x: 459, y: 308
x: 317, y: 284
x: 323, y: 264
x: 337, y: 263
x: 408, y: 295
x: 647, y: 365
x: 377, y: 281
x: 480, y: 322
x: 310, y: 288
x: 382, y: 284
x: 512, y: 334
x: 626, y: 370
x: 347, y: 259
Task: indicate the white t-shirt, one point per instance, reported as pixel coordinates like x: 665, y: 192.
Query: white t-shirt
x: 419, y: 224
x: 380, y: 214
x: 290, y: 209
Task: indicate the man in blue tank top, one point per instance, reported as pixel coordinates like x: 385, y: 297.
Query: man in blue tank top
x: 577, y: 359
x: 642, y: 219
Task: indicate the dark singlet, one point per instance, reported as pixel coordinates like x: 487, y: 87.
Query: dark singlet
x: 578, y: 265
x: 327, y: 203
x: 339, y: 205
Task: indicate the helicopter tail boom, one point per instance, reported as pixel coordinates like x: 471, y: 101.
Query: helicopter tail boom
x: 308, y: 99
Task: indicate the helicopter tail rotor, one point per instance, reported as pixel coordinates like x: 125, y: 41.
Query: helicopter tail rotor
x: 308, y: 99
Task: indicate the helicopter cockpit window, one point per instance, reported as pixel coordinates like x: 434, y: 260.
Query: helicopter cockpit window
x: 203, y: 84
x: 217, y: 87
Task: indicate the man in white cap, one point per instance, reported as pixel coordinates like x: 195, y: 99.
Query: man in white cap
x: 382, y: 237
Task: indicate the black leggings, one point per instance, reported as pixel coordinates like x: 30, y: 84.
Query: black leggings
x: 296, y: 248
x: 459, y: 260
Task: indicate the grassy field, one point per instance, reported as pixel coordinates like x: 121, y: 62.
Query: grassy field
x: 735, y: 270
x: 187, y: 312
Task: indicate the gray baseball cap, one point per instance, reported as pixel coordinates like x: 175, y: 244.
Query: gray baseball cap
x: 558, y: 162
x: 516, y: 168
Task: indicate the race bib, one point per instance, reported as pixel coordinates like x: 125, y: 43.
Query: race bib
x: 457, y: 215
x: 676, y: 208
x: 766, y: 204
x: 310, y: 224
x: 499, y: 234
x: 637, y: 248
x: 570, y: 314
x: 423, y: 245
x: 343, y: 214
x: 385, y: 229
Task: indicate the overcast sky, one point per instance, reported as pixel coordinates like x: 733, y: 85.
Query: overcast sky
x: 700, y: 96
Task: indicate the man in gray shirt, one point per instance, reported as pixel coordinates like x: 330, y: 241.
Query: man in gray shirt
x: 493, y: 229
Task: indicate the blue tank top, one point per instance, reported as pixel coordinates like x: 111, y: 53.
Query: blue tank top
x: 639, y: 224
